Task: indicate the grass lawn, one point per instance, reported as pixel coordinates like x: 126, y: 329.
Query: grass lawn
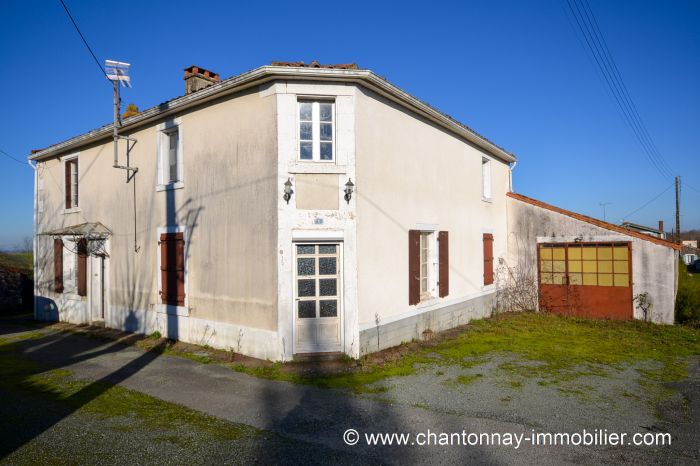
x: 21, y: 261
x: 564, y: 349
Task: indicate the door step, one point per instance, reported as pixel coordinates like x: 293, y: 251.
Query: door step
x: 331, y: 356
x: 97, y: 323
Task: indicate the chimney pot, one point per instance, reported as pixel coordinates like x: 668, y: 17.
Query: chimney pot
x: 661, y: 226
x: 197, y: 78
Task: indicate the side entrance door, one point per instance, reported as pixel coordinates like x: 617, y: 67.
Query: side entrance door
x: 97, y: 287
x: 586, y: 279
x: 317, y: 297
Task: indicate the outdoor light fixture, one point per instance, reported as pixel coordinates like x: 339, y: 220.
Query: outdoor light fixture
x: 288, y: 190
x: 349, y: 187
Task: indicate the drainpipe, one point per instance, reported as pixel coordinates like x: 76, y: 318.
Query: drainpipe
x: 510, y: 175
x: 34, y: 233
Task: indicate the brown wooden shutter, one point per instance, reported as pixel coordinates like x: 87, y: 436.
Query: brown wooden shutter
x: 172, y: 268
x: 68, y: 185
x: 444, y: 265
x: 82, y: 267
x: 58, y: 265
x: 488, y: 258
x: 413, y: 267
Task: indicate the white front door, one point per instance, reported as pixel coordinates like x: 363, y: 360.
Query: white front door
x: 317, y: 297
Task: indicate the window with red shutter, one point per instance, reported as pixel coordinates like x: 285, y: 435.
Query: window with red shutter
x: 444, y: 264
x: 488, y: 259
x: 172, y: 268
x: 413, y: 267
x: 58, y: 265
x: 82, y: 267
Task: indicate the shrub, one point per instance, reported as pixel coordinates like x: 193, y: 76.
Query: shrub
x: 688, y: 296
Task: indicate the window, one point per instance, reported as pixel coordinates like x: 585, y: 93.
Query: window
x: 71, y: 187
x: 170, y: 157
x: 172, y: 268
x: 488, y: 258
x: 427, y: 249
x: 586, y: 264
x: 485, y: 179
x: 316, y: 130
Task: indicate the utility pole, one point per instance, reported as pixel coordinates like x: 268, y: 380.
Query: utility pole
x: 678, y: 214
x: 603, y: 204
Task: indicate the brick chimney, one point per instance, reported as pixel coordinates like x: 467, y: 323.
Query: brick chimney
x: 661, y: 226
x: 197, y: 78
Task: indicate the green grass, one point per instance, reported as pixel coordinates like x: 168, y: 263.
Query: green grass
x: 22, y: 261
x: 554, y: 349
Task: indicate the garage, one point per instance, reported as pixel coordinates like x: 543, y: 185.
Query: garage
x: 591, y: 279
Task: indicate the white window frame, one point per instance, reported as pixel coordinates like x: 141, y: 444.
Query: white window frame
x: 163, y: 143
x: 433, y: 258
x: 316, y: 129
x: 486, y: 179
x: 64, y: 161
x: 169, y: 308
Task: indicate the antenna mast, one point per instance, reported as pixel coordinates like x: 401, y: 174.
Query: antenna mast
x: 118, y: 73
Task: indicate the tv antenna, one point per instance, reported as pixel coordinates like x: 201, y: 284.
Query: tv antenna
x: 603, y: 205
x: 118, y: 73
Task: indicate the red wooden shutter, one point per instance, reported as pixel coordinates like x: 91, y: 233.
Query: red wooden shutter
x: 172, y: 268
x: 488, y: 258
x: 413, y: 267
x: 82, y: 267
x: 68, y: 185
x: 58, y: 265
x: 444, y: 270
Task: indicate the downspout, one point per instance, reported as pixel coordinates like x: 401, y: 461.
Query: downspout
x: 510, y: 175
x: 34, y: 237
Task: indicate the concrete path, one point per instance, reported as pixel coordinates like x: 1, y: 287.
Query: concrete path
x: 313, y: 415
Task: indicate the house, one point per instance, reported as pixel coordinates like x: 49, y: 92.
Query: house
x: 657, y: 233
x: 303, y: 209
x: 691, y: 243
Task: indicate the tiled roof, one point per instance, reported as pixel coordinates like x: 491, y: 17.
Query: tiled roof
x: 595, y: 221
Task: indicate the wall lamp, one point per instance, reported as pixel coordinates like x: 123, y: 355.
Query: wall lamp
x: 349, y: 188
x: 287, y: 190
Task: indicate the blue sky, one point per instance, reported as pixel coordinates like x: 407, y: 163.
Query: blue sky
x: 514, y: 71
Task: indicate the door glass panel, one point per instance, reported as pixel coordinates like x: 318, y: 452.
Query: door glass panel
x: 326, y: 248
x: 620, y: 266
x: 559, y: 278
x: 589, y: 266
x: 604, y: 253
x: 558, y: 266
x: 620, y: 253
x: 327, y: 266
x: 546, y: 253
x: 588, y: 253
x: 605, y: 267
x: 329, y: 308
x: 328, y: 287
x: 558, y: 254
x: 574, y: 266
x: 307, y: 287
x: 546, y: 278
x: 590, y: 279
x: 306, y: 266
x: 605, y: 279
x: 546, y: 266
x: 621, y: 279
x: 306, y: 249
x: 575, y: 279
x: 307, y: 309
x: 574, y: 253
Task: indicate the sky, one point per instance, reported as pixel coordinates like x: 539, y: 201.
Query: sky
x: 516, y: 72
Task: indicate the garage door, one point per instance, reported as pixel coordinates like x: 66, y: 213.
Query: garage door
x: 586, y: 279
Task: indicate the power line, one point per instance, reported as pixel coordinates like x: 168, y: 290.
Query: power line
x: 11, y: 157
x: 597, y: 46
x: 649, y: 202
x: 83, y: 37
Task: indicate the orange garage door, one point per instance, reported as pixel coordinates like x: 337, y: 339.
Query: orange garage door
x: 586, y: 279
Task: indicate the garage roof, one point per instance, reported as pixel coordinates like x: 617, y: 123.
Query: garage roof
x: 595, y: 221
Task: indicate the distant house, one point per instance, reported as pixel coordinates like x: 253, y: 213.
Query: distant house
x: 655, y: 232
x: 301, y: 209
x: 690, y: 243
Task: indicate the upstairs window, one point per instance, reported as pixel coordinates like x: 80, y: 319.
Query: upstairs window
x: 485, y: 179
x: 316, y: 131
x: 170, y: 159
x: 71, y: 187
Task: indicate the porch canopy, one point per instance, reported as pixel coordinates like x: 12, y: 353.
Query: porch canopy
x: 88, y: 230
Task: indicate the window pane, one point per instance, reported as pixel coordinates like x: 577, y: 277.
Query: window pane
x: 326, y: 111
x: 559, y: 266
x: 307, y: 287
x: 620, y: 252
x: 605, y: 279
x: 546, y: 253
x: 305, y: 111
x: 605, y: 266
x: 305, y: 131
x: 588, y: 253
x: 307, y: 309
x: 575, y: 279
x: 327, y: 266
x: 326, y: 131
x: 173, y: 140
x: 574, y: 266
x: 621, y: 279
x: 546, y: 266
x: 604, y: 253
x: 590, y: 279
x: 306, y: 249
x: 306, y: 266
x: 558, y: 254
x: 621, y: 267
x: 329, y: 308
x: 559, y: 278
x: 546, y: 278
x: 328, y: 287
x: 326, y: 151
x: 589, y: 266
x: 306, y: 151
x: 326, y: 248
x: 574, y: 253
